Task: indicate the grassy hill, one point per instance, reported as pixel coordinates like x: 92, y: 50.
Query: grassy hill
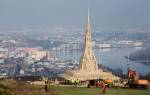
x: 97, y: 91
x: 11, y: 87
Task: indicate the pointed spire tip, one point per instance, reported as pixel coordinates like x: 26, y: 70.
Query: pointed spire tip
x: 88, y: 14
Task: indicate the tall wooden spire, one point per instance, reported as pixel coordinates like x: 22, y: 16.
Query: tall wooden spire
x: 88, y: 68
x: 88, y: 61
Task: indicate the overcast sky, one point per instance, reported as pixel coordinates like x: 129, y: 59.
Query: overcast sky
x: 111, y: 13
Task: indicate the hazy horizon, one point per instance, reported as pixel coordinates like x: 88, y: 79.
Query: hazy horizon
x: 104, y: 13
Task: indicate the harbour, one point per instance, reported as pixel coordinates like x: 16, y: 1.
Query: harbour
x: 113, y: 58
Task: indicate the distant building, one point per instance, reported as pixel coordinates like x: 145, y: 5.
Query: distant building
x: 3, y: 53
x: 36, y: 53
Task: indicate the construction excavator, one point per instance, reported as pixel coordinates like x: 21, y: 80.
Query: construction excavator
x: 135, y: 82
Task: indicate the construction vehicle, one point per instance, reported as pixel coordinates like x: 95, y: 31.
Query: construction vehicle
x: 135, y: 82
x: 108, y: 82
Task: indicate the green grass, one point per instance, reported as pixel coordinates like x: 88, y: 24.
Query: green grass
x: 97, y: 91
x: 11, y: 87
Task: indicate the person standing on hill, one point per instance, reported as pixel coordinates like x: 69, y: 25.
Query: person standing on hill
x: 46, y: 87
x: 103, y: 88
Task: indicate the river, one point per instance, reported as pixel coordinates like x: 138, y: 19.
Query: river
x: 110, y: 57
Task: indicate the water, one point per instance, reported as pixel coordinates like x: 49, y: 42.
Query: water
x: 112, y: 58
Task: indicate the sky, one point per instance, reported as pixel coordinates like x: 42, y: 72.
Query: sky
x: 103, y: 13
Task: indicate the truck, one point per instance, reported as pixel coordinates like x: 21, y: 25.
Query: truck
x: 135, y: 82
